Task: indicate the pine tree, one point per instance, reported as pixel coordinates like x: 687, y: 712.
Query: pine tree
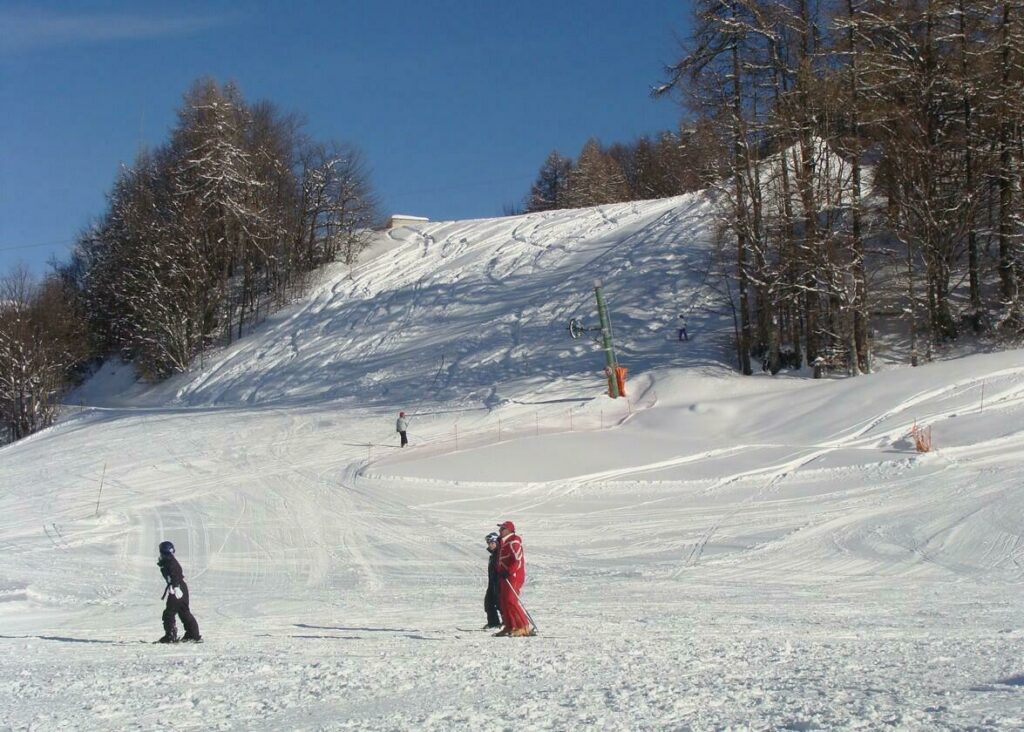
x: 548, y: 192
x: 596, y: 178
x: 207, y: 233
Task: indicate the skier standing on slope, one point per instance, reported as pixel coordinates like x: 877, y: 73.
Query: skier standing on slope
x: 493, y: 582
x: 683, y: 335
x: 512, y: 575
x: 176, y: 593
x: 401, y: 426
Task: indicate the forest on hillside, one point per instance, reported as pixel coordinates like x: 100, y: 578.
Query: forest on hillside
x: 201, y: 237
x: 852, y: 144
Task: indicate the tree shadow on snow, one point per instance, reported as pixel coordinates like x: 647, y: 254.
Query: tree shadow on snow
x: 566, y: 400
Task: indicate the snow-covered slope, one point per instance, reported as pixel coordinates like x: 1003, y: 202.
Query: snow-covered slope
x: 474, y: 311
x: 716, y: 551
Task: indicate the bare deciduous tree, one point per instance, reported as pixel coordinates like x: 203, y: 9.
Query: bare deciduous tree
x: 41, y: 341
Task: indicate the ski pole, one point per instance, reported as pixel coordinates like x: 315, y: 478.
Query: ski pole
x: 530, y: 617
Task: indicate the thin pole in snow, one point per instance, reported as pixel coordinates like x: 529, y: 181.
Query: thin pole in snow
x: 611, y: 362
x: 530, y: 617
x: 100, y: 492
x: 982, y: 407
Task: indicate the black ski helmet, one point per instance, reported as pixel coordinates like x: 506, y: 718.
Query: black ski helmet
x: 166, y: 548
x: 492, y: 538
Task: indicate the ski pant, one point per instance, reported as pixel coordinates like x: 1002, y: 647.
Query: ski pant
x: 491, y: 601
x: 405, y: 438
x: 511, y: 609
x: 179, y: 607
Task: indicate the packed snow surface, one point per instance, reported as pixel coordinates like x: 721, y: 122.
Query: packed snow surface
x: 715, y: 551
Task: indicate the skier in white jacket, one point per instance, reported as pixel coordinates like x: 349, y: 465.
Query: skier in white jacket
x: 401, y: 426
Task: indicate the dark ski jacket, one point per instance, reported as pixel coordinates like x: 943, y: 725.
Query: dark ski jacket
x: 492, y: 570
x: 171, y: 571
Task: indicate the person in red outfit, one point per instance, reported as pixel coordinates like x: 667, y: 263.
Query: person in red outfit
x: 512, y: 575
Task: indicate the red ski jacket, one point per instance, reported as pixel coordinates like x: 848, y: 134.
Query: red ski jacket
x: 511, y: 558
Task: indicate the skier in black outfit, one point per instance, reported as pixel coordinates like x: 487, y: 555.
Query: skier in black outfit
x: 491, y: 597
x: 176, y: 593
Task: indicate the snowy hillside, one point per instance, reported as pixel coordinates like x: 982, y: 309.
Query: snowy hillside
x: 716, y: 551
x: 474, y: 311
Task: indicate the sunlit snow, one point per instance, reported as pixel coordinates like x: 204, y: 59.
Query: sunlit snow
x: 714, y: 551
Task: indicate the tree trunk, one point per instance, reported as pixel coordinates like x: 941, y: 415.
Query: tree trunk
x: 739, y: 164
x: 1007, y: 273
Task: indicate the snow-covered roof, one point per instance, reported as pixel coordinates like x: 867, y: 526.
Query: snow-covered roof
x: 408, y: 217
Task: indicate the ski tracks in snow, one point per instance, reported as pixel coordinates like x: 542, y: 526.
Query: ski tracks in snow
x: 774, y: 474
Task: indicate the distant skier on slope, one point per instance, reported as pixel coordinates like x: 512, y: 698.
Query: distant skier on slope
x: 683, y: 335
x: 176, y: 593
x: 512, y: 575
x: 401, y: 425
x: 493, y: 582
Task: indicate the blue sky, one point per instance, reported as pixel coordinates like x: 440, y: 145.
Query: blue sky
x: 454, y: 104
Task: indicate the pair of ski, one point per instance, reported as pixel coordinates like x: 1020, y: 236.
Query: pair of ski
x: 490, y: 628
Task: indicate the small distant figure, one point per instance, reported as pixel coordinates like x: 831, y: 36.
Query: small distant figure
x: 683, y: 336
x: 176, y: 593
x: 401, y: 426
x: 493, y: 583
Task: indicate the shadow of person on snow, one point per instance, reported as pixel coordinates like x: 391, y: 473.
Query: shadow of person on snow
x: 60, y: 639
x: 365, y: 630
x: 1006, y: 684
